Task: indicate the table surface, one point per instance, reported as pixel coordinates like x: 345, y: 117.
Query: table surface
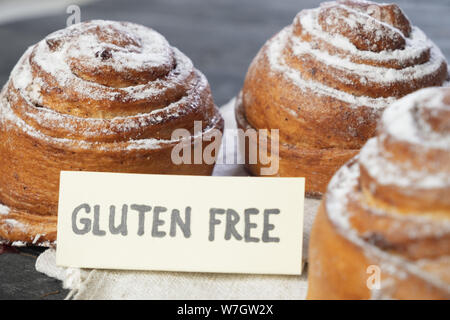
x: 220, y: 36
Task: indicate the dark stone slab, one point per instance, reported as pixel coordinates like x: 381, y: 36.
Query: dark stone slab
x: 20, y: 280
x: 220, y: 36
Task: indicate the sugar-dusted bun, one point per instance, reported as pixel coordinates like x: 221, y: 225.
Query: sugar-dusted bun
x: 97, y: 96
x: 325, y: 80
x: 390, y: 207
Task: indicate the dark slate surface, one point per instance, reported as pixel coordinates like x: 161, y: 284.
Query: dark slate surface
x: 220, y: 36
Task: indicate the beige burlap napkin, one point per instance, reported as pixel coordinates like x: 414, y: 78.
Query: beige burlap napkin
x: 118, y: 284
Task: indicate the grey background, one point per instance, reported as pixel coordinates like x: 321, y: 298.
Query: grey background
x: 220, y: 36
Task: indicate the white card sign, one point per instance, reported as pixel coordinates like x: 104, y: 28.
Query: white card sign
x: 180, y: 223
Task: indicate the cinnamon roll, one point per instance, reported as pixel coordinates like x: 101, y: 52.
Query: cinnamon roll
x: 383, y: 228
x: 325, y: 80
x: 97, y: 96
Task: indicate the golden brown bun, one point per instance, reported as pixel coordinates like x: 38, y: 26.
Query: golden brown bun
x: 325, y: 80
x: 317, y: 164
x: 390, y: 207
x: 97, y: 96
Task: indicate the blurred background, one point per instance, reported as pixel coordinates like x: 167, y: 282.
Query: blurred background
x: 220, y: 36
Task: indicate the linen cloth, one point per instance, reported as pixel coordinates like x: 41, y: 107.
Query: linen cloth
x: 120, y: 284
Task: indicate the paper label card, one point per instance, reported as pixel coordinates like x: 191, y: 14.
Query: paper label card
x: 180, y: 223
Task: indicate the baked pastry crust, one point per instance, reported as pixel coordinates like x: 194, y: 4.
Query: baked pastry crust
x: 325, y: 80
x: 97, y: 96
x: 390, y: 207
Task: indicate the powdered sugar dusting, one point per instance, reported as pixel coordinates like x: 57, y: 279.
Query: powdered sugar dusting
x: 390, y: 173
x: 22, y: 78
x: 15, y: 224
x: 337, y: 197
x: 9, y: 118
x: 4, y: 210
x: 399, y: 122
x: 376, y: 74
x: 55, y: 63
x: 340, y: 189
x: 145, y: 48
x: 278, y: 64
x: 416, y: 45
x: 133, y: 48
x: 106, y: 127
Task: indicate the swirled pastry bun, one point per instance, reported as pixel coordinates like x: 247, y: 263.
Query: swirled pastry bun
x: 97, y: 96
x: 325, y: 80
x: 383, y: 228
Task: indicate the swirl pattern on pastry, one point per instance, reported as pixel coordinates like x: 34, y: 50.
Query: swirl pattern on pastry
x: 97, y: 96
x: 390, y: 208
x: 325, y: 80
